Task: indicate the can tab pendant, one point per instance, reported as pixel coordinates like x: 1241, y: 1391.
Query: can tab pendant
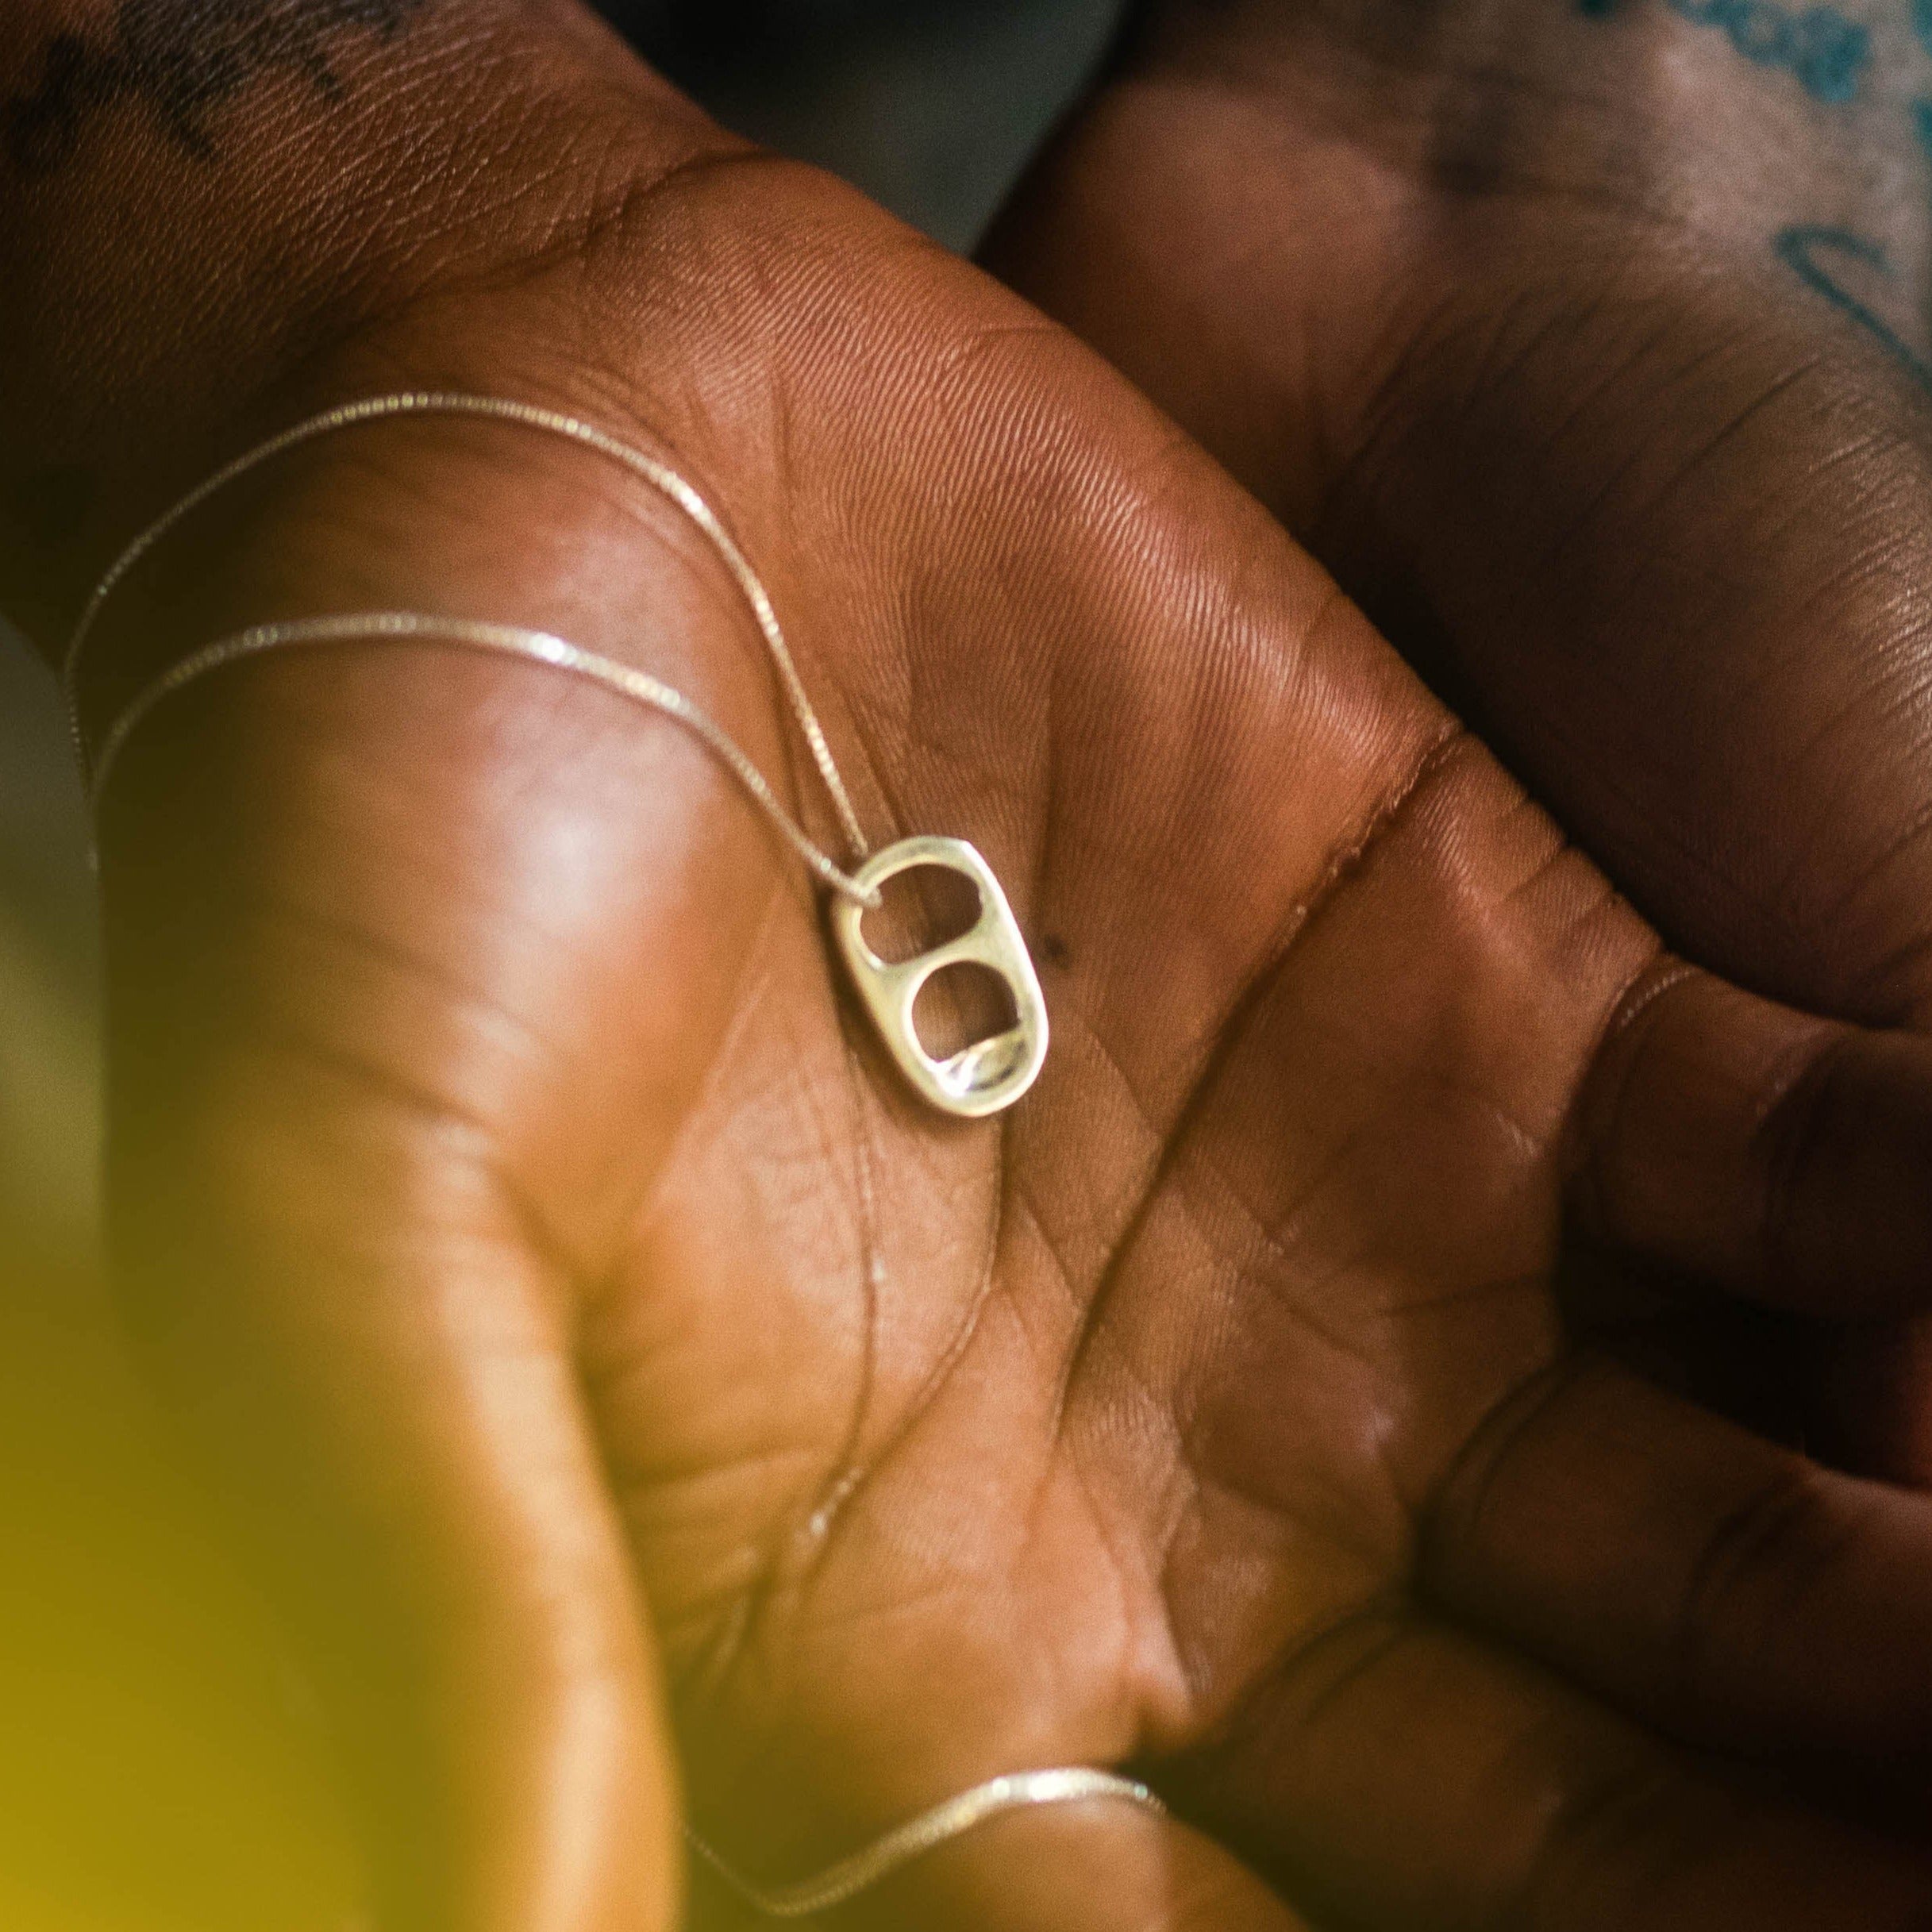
x: 991, y: 1074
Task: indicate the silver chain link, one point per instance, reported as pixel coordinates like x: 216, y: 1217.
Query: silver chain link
x: 660, y: 475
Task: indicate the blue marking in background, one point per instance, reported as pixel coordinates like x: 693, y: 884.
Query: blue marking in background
x: 1799, y: 247
x: 1825, y: 53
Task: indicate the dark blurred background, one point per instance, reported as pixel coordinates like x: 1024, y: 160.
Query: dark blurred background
x: 931, y: 107
x: 159, y: 1771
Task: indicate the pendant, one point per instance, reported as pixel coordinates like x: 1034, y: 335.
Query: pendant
x: 991, y: 1074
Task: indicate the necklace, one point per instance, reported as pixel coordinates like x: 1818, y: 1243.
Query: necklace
x: 982, y: 1078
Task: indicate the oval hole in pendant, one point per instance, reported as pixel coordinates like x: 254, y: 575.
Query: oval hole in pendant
x: 921, y: 910
x: 959, y: 1007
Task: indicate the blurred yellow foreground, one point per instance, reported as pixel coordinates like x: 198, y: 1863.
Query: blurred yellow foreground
x: 158, y: 1769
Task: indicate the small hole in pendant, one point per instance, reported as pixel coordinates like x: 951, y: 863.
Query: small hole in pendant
x: 959, y: 1006
x: 921, y: 908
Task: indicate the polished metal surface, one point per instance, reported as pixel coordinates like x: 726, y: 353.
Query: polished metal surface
x: 989, y: 1074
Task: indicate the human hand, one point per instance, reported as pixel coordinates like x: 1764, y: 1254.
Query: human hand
x: 551, y: 1260
x: 1584, y: 343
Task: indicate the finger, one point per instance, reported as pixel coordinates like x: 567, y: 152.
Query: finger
x: 1399, y: 1775
x: 370, y: 1359
x: 1872, y: 1399
x: 1783, y: 1157
x: 1731, y: 1592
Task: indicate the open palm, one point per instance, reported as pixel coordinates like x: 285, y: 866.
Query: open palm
x: 525, y: 1213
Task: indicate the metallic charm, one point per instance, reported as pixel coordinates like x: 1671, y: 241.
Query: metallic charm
x: 989, y: 1074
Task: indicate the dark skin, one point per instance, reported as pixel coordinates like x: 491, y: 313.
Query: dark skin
x: 618, y: 1368
x: 183, y: 66
x: 1585, y: 345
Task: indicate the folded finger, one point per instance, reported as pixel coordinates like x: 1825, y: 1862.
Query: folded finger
x: 1401, y: 1776
x: 1732, y: 1592
x: 1780, y: 1157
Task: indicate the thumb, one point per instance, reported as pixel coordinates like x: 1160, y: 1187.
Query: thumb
x: 347, y: 1309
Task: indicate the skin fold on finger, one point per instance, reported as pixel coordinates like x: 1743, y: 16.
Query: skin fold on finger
x: 1400, y: 1777
x: 1777, y: 1156
x: 1732, y: 1592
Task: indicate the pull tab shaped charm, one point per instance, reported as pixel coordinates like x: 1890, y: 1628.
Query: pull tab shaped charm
x: 989, y: 1074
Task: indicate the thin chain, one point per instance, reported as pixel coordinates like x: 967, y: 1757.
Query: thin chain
x: 927, y: 1832
x: 660, y: 475
x: 505, y: 639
